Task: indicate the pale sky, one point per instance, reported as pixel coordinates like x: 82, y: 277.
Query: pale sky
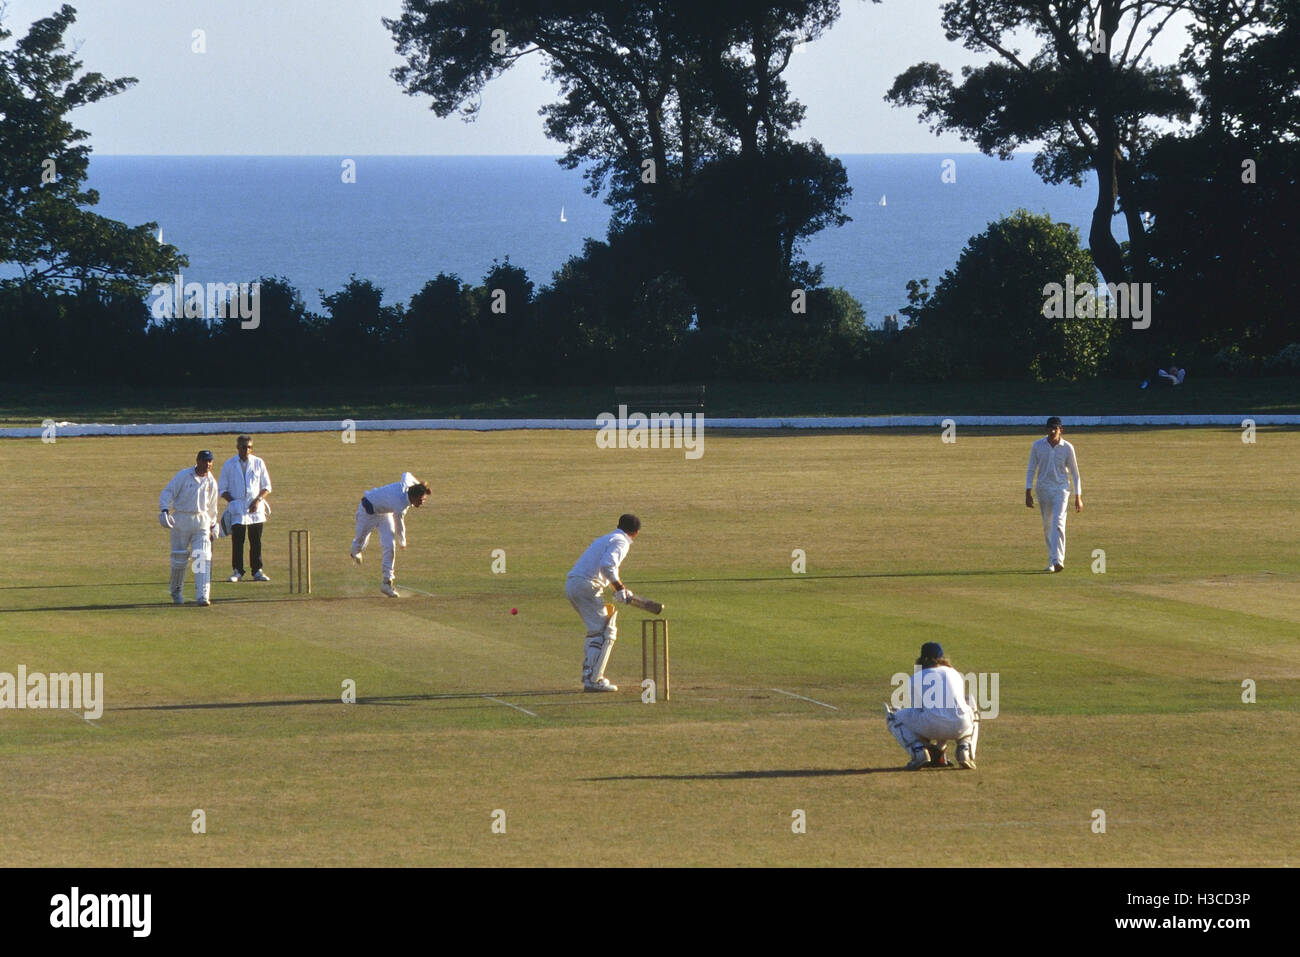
x: 311, y: 77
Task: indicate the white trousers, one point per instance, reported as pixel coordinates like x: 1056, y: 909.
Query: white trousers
x: 1053, y: 505
x: 918, y: 726
x: 602, y: 630
x: 190, y: 544
x: 367, y: 523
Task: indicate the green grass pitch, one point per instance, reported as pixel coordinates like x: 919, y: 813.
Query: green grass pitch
x: 1119, y: 692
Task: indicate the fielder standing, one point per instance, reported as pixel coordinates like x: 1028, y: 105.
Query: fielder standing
x: 596, y: 570
x: 188, y: 507
x: 385, y: 508
x: 245, y: 484
x: 1054, y: 461
x: 939, y: 712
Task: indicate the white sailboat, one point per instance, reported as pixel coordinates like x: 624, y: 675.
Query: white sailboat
x: 882, y: 199
x: 562, y: 219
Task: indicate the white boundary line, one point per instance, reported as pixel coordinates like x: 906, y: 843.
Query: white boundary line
x: 802, y: 698
x: 509, y: 705
x: 74, y: 429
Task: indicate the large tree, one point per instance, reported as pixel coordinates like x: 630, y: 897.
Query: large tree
x: 1223, y: 197
x: 653, y: 93
x: 46, y: 231
x: 985, y: 318
x: 1087, y: 90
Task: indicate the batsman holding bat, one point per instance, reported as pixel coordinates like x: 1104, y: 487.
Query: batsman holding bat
x: 596, y: 570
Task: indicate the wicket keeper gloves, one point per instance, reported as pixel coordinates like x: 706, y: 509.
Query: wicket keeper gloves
x: 165, y: 520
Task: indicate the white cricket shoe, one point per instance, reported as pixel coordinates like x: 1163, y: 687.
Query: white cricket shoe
x: 600, y: 684
x: 388, y: 589
x: 1050, y: 569
x: 203, y: 603
x: 964, y: 760
x: 261, y: 576
x: 356, y: 557
x: 234, y: 577
x: 920, y: 759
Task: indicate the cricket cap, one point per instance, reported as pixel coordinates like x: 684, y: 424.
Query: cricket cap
x: 932, y: 649
x: 205, y: 456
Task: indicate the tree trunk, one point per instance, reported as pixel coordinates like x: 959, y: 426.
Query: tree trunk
x: 1101, y: 242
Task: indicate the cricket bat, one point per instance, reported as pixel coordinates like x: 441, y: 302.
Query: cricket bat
x: 646, y: 604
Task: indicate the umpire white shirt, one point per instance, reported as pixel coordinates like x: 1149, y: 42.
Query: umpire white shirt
x: 243, y: 482
x: 599, y: 563
x: 187, y: 494
x: 1054, y: 465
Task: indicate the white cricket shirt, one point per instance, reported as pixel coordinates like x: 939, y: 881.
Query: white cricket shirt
x: 392, y: 498
x: 187, y: 493
x: 599, y: 563
x: 939, y: 689
x: 1054, y: 465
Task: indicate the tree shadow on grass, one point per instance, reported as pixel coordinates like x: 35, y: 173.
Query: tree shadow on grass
x: 865, y: 575
x: 167, y: 603
x: 396, y: 699
x: 159, y: 584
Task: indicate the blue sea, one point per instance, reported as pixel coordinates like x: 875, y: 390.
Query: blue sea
x: 407, y: 218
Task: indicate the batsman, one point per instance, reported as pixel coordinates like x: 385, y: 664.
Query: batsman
x: 596, y: 570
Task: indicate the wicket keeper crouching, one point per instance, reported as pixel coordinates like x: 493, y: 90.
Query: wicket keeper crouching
x: 585, y: 586
x: 939, y: 713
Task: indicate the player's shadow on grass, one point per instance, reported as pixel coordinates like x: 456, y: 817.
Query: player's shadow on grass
x: 752, y: 775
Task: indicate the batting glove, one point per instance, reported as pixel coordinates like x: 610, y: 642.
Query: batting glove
x: 165, y: 520
x: 623, y: 594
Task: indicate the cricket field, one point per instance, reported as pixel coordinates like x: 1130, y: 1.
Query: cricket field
x: 1147, y: 699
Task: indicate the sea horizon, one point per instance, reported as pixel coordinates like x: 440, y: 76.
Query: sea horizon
x: 404, y: 218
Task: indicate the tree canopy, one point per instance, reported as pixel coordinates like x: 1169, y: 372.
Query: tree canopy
x: 46, y: 231
x: 654, y: 95
x: 1088, y: 92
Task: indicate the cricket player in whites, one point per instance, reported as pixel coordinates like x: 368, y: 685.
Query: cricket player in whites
x: 385, y: 508
x: 938, y: 712
x: 1053, y: 459
x: 188, y: 508
x: 587, y: 581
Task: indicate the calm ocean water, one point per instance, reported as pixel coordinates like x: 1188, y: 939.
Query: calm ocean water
x: 406, y: 219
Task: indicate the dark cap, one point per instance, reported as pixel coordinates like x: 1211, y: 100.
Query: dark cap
x: 932, y: 649
x: 204, y: 456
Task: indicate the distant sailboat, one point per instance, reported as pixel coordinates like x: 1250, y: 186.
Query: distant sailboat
x: 882, y: 199
x: 160, y: 242
x: 562, y: 219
